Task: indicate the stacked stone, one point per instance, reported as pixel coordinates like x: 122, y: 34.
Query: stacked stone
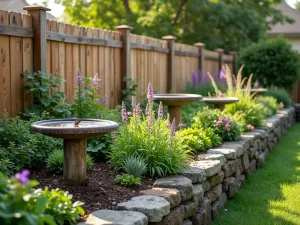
x: 198, y: 195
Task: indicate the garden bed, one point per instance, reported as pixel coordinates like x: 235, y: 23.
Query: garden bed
x: 99, y: 191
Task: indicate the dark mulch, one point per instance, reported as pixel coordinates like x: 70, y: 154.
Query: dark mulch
x: 99, y: 191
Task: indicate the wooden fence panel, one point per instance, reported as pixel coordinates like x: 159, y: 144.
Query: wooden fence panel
x: 228, y: 60
x: 15, y: 57
x: 185, y: 65
x: 211, y: 63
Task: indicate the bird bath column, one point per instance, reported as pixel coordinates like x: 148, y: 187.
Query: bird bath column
x: 175, y: 103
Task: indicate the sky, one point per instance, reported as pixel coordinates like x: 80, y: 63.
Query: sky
x: 57, y: 10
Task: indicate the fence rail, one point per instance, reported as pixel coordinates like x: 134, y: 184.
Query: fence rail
x: 30, y: 42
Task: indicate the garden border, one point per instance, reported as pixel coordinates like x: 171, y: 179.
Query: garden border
x: 197, y: 196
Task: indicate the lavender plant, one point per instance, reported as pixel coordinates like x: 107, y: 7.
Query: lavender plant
x: 149, y: 137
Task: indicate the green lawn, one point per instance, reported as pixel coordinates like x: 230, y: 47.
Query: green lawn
x: 272, y: 194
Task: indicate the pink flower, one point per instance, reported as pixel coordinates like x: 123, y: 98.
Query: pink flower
x: 227, y: 127
x: 218, y: 123
x: 123, y: 112
x: 180, y: 125
x: 221, y: 118
x: 250, y: 127
x: 128, y: 113
x: 104, y: 100
x: 150, y: 93
x: 160, y: 112
x: 79, y: 78
x: 226, y: 120
x: 230, y: 121
x: 133, y: 102
x: 173, y: 128
x: 221, y: 95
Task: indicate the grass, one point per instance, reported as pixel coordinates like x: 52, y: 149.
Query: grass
x: 271, y: 196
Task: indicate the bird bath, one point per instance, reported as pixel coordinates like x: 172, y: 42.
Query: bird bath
x: 257, y: 91
x: 75, y: 140
x: 175, y: 103
x: 220, y: 102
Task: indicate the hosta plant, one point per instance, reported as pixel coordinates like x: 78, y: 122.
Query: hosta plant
x: 151, y: 138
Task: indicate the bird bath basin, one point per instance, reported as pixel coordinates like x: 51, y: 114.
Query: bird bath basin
x: 75, y: 140
x: 220, y: 102
x: 175, y: 103
x: 257, y: 91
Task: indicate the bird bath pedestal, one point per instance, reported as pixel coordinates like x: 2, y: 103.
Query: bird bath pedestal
x: 175, y: 103
x: 75, y: 141
x: 220, y: 102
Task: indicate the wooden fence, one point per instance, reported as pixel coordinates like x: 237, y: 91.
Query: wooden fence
x: 30, y: 42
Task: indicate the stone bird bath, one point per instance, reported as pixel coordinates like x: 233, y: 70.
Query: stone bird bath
x: 220, y: 102
x: 75, y: 133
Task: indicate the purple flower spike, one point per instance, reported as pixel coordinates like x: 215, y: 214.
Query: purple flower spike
x: 104, y: 100
x: 96, y: 81
x: 200, y: 75
x: 173, y: 128
x: 138, y: 110
x: 194, y: 80
x: 79, y: 78
x: 160, y: 112
x: 150, y: 93
x: 23, y: 176
x: 123, y: 112
x: 133, y: 102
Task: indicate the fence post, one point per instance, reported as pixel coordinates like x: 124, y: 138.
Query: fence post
x: 221, y: 52
x: 39, y: 25
x: 170, y: 62
x: 125, y: 54
x: 234, y: 56
x: 201, y: 47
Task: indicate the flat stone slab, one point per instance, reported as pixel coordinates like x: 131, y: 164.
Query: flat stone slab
x: 195, y: 173
x: 214, y: 193
x: 181, y: 183
x: 211, y: 167
x: 155, y: 208
x: 220, y: 157
x: 171, y: 195
x: 175, y: 217
x: 229, y: 153
x: 105, y: 217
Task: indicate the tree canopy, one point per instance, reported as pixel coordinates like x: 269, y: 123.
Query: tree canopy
x: 228, y: 24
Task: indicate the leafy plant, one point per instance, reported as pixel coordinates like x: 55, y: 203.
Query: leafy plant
x: 128, y: 180
x: 135, y: 166
x: 199, y: 139
x: 273, y: 62
x: 129, y: 91
x: 60, y: 206
x: 270, y: 105
x: 55, y: 162
x: 281, y: 95
x: 189, y: 111
x: 150, y: 138
x: 44, y: 89
x: 21, y: 147
x: 228, y: 129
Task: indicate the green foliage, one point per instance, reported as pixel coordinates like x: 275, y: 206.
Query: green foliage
x: 44, y: 89
x: 22, y: 204
x: 135, y: 166
x: 129, y: 91
x: 189, y: 111
x: 226, y: 128
x: 270, y: 105
x: 128, y: 180
x: 55, y: 162
x: 149, y: 138
x: 281, y: 95
x: 20, y: 147
x: 273, y: 62
x: 198, y: 139
x: 228, y: 24
x: 61, y: 207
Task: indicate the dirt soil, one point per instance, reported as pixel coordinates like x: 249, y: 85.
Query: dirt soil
x: 99, y: 191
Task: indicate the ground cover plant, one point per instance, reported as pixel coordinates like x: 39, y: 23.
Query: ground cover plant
x: 151, y: 138
x: 271, y: 195
x: 247, y: 111
x: 23, y: 204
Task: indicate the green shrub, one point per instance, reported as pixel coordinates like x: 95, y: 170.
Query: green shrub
x: 189, y: 111
x: 22, y: 204
x: 150, y: 138
x: 22, y: 148
x: 198, y: 139
x: 135, y: 166
x: 226, y: 128
x: 281, y: 95
x: 270, y: 105
x: 273, y: 62
x: 55, y: 162
x: 128, y: 180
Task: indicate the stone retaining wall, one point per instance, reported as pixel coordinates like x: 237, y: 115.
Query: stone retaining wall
x: 197, y: 196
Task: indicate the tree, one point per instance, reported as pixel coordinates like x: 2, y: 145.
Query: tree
x: 229, y: 24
